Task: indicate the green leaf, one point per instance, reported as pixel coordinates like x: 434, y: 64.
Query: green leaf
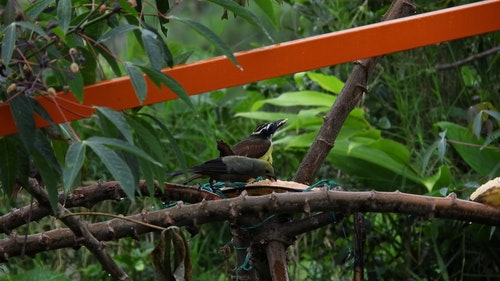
x: 137, y: 79
x: 112, y: 61
x: 129, y: 9
x: 372, y: 162
x: 115, y: 165
x: 147, y: 138
x: 75, y: 84
x: 89, y: 68
x: 9, y: 164
x: 301, y: 98
x: 44, y: 147
x: 73, y: 163
x: 493, y: 113
x: 495, y: 135
x: 484, y: 161
x: 116, y: 31
x: 48, y: 167
x: 442, y: 145
x: 172, y: 141
x: 182, y: 58
x: 327, y: 82
x: 153, y: 48
x: 37, y: 7
x: 118, y: 120
x: 477, y: 124
x: 24, y: 117
x: 244, y: 13
x: 439, y: 180
x: 210, y: 36
x: 40, y: 110
x: 147, y: 170
x: 32, y: 27
x: 8, y: 43
x: 64, y: 9
x: 267, y: 7
x: 125, y: 146
x: 158, y: 78
x: 57, y: 30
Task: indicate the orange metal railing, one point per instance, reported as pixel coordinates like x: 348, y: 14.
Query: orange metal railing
x: 280, y: 59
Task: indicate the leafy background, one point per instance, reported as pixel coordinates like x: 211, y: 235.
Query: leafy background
x: 420, y: 129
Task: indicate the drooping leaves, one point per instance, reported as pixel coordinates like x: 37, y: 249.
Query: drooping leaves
x: 64, y: 10
x: 158, y: 78
x: 155, y: 49
x: 485, y: 161
x: 327, y: 82
x: 9, y: 164
x: 244, y: 13
x: 137, y: 79
x: 172, y: 141
x: 267, y: 7
x: 117, y: 119
x: 121, y: 29
x: 24, y: 117
x: 8, y: 43
x: 115, y: 165
x: 48, y: 167
x: 170, y: 257
x: 73, y: 163
x: 210, y: 36
x: 75, y: 83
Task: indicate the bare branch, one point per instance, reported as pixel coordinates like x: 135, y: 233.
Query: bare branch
x: 469, y: 59
x: 81, y: 233
x: 88, y: 196
x: 259, y: 207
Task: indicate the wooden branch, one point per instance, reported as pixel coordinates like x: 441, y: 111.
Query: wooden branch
x: 359, y: 246
x: 81, y: 233
x: 350, y: 96
x: 275, y: 203
x: 88, y: 196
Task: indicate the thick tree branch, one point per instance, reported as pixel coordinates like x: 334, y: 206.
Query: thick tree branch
x: 350, y: 96
x: 260, y: 207
x: 88, y: 196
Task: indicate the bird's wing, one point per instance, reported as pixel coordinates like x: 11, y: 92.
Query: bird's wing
x: 252, y: 149
x: 211, y: 166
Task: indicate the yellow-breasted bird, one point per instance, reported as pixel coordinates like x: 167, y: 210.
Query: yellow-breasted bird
x: 258, y: 145
x: 232, y: 168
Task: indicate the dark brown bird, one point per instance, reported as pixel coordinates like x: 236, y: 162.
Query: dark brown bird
x: 258, y: 145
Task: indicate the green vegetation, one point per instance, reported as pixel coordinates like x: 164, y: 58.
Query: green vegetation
x: 421, y: 129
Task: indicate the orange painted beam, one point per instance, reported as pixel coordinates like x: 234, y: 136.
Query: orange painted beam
x: 280, y: 59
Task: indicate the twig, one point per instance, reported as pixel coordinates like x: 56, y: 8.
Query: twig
x: 472, y: 58
x: 121, y: 217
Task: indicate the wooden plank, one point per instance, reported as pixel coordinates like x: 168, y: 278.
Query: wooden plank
x: 280, y: 59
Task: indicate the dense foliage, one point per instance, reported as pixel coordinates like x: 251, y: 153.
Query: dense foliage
x: 423, y: 128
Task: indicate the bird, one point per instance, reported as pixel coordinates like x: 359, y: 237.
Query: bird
x: 258, y: 145
x: 232, y: 168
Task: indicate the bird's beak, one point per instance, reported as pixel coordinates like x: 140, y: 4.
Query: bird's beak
x: 279, y: 123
